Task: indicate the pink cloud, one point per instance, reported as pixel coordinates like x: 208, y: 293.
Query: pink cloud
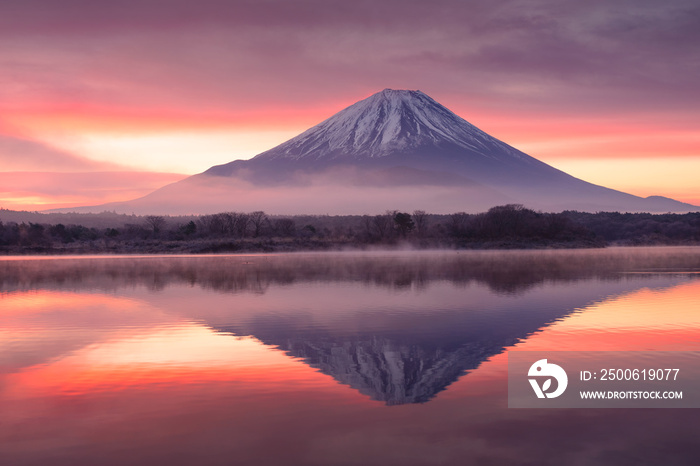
x: 17, y: 154
x: 46, y: 190
x: 234, y: 55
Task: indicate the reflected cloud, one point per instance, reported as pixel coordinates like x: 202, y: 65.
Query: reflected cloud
x: 398, y: 327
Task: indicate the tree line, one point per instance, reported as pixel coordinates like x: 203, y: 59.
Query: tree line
x: 508, y: 226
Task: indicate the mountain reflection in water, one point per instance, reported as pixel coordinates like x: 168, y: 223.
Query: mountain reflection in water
x: 290, y: 348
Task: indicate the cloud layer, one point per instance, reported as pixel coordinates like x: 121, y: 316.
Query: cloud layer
x: 228, y: 56
x: 45, y: 190
x: 17, y: 154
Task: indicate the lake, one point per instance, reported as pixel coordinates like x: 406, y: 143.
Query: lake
x: 374, y: 358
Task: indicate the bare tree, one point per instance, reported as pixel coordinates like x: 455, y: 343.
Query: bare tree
x: 284, y: 227
x: 367, y: 226
x: 458, y: 223
x: 383, y: 224
x: 155, y: 222
x: 420, y: 219
x: 214, y: 224
x: 257, y: 219
x: 240, y: 224
x: 228, y: 220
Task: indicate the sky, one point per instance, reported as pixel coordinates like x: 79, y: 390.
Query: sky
x: 107, y: 101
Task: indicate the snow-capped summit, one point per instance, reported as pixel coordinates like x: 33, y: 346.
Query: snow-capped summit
x: 396, y: 128
x: 387, y: 122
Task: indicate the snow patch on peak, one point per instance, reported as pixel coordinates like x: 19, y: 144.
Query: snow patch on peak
x: 385, y: 123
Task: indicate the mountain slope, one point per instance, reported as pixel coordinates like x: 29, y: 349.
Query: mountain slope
x: 395, y: 128
x: 396, y: 149
x: 387, y: 123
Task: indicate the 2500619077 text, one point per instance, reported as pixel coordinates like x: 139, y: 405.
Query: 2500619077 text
x: 636, y: 374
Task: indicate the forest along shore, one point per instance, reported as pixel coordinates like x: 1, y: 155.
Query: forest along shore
x: 503, y: 227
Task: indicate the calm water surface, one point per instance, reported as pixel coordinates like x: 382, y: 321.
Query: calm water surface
x: 332, y: 359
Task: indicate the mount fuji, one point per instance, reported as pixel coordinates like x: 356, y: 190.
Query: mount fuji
x: 397, y: 149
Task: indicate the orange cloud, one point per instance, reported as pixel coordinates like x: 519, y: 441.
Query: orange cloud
x: 26, y: 154
x: 48, y: 190
x: 78, y: 118
x: 629, y: 322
